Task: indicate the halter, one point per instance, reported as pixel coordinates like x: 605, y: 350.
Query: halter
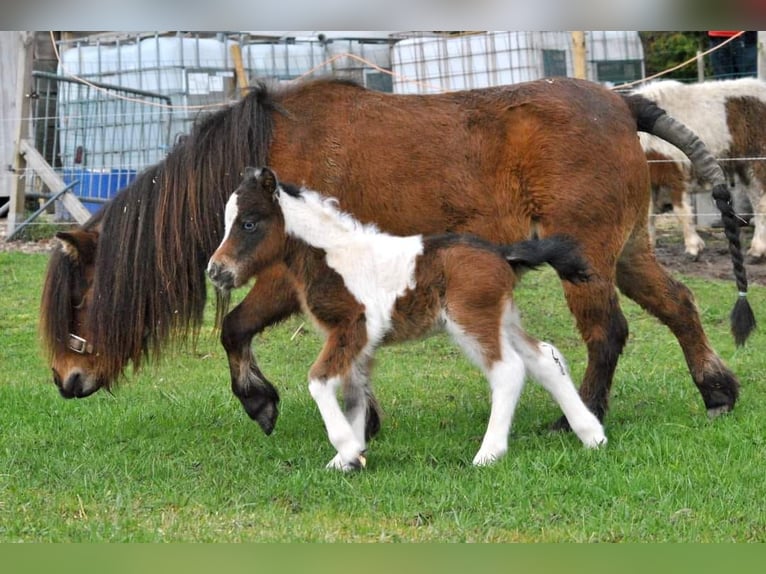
x: 79, y: 345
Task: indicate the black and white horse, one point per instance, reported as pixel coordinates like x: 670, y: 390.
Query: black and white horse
x: 730, y: 117
x: 364, y: 288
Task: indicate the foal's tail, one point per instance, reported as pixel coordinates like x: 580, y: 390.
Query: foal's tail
x: 559, y: 251
x: 652, y: 119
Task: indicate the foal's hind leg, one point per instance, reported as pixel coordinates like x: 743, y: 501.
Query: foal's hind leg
x: 641, y: 278
x: 547, y: 366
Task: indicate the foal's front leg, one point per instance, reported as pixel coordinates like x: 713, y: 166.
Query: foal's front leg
x: 336, y: 364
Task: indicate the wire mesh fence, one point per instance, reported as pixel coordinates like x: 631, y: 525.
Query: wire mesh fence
x: 119, y: 102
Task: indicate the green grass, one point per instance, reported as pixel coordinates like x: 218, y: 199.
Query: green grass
x: 171, y: 456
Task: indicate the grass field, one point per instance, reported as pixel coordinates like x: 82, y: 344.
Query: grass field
x: 171, y: 456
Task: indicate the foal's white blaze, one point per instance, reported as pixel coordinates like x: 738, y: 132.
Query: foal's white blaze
x: 230, y: 215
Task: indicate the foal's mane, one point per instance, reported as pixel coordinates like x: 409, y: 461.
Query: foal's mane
x: 320, y: 219
x: 156, y: 236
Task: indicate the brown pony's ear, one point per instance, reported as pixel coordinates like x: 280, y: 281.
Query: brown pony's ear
x: 79, y: 245
x: 268, y: 180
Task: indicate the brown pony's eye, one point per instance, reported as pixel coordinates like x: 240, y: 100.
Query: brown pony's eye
x: 249, y: 226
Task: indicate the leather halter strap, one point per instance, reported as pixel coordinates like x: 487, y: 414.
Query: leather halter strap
x: 79, y: 345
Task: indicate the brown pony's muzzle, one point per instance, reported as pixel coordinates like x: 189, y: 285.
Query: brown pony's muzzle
x: 77, y: 385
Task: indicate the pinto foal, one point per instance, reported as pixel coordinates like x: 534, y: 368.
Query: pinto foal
x: 364, y: 288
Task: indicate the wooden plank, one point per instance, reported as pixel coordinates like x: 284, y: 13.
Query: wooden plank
x: 53, y: 181
x: 242, y: 79
x: 25, y: 55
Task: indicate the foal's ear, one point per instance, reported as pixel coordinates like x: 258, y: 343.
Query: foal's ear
x: 79, y: 245
x: 268, y: 180
x: 250, y: 173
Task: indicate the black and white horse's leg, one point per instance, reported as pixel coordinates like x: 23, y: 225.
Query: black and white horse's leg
x: 271, y: 300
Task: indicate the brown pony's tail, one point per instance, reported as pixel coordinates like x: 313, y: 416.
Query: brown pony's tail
x: 652, y: 119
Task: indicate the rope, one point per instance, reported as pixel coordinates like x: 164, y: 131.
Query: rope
x: 681, y: 65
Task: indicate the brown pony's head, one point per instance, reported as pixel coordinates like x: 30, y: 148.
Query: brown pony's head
x: 68, y: 295
x: 254, y: 234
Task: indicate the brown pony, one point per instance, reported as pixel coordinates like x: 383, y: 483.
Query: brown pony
x: 557, y: 156
x: 365, y: 288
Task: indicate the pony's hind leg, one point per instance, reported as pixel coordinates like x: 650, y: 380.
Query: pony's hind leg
x: 640, y: 277
x: 605, y: 331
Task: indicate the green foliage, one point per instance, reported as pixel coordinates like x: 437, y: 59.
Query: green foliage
x: 663, y: 50
x: 171, y: 456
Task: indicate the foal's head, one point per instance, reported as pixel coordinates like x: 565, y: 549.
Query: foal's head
x: 254, y: 235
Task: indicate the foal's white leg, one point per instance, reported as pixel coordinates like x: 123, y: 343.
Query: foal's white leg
x: 548, y: 367
x: 355, y: 399
x: 506, y: 379
x: 339, y: 430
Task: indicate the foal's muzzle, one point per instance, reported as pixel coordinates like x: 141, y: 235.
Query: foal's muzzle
x: 221, y: 277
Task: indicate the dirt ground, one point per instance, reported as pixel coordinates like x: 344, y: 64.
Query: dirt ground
x: 713, y: 262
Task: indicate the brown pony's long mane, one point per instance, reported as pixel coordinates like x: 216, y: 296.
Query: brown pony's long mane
x: 156, y: 236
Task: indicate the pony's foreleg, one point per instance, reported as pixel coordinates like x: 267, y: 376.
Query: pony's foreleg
x: 270, y: 300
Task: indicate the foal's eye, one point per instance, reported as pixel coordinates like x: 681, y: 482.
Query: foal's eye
x: 249, y: 225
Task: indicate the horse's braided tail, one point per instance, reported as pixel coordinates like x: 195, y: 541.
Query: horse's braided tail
x: 559, y: 251
x: 652, y: 119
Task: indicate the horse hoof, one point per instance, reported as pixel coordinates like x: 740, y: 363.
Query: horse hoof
x: 337, y: 463
x: 262, y: 411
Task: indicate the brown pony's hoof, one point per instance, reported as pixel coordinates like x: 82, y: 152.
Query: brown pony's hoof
x: 261, y: 403
x: 267, y: 417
